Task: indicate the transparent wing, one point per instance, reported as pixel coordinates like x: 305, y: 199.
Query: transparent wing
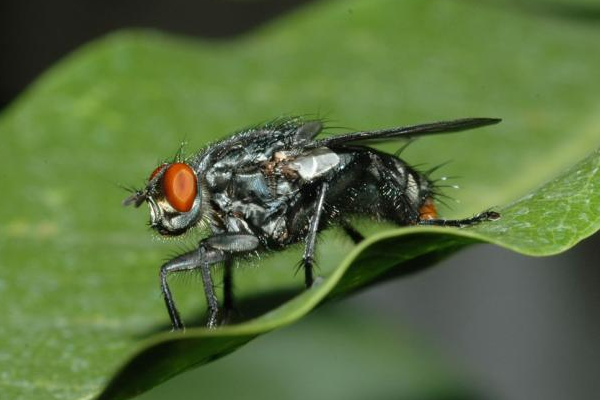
x: 407, y: 132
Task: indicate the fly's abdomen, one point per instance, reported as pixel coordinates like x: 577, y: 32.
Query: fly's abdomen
x: 382, y: 186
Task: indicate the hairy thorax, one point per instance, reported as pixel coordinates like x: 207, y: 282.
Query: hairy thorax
x: 261, y: 196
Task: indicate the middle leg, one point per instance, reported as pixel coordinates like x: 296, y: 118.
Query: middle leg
x: 311, y: 237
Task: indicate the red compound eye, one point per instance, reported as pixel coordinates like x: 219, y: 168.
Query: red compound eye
x: 180, y: 186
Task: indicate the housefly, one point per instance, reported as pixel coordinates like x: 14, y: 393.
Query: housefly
x: 274, y: 185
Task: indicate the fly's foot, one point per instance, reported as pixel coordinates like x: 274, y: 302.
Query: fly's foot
x: 308, y: 264
x: 211, y: 323
x: 310, y: 280
x: 318, y: 281
x: 177, y: 326
x: 228, y: 315
x: 488, y: 215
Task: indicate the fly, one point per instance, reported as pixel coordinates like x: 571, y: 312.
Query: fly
x: 275, y: 185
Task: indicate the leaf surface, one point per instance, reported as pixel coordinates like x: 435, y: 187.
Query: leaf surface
x: 79, y: 273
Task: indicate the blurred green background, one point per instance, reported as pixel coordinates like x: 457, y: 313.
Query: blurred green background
x: 507, y: 326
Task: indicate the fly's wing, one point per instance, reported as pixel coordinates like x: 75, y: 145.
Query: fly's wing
x: 289, y: 130
x: 307, y: 131
x: 293, y: 131
x: 406, y: 132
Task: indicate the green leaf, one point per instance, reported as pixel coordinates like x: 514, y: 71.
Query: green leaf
x: 78, y: 272
x: 328, y: 360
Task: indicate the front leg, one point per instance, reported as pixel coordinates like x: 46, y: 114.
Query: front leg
x: 203, y: 257
x: 211, y: 251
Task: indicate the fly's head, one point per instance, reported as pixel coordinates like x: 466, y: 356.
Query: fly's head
x: 174, y: 197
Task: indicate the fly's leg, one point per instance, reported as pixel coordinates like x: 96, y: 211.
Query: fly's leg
x: 211, y: 251
x: 165, y: 270
x: 355, y: 235
x: 209, y: 291
x: 231, y: 244
x: 200, y: 258
x: 311, y: 237
x: 227, y: 290
x: 461, y: 223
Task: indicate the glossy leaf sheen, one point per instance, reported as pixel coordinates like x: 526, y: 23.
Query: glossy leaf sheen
x: 79, y: 273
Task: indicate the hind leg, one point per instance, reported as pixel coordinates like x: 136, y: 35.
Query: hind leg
x: 355, y: 235
x: 461, y: 223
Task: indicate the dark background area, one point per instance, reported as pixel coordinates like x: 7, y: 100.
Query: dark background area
x: 525, y: 328
x: 35, y: 34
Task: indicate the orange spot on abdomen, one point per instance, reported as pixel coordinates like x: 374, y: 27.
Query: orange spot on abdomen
x: 427, y: 210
